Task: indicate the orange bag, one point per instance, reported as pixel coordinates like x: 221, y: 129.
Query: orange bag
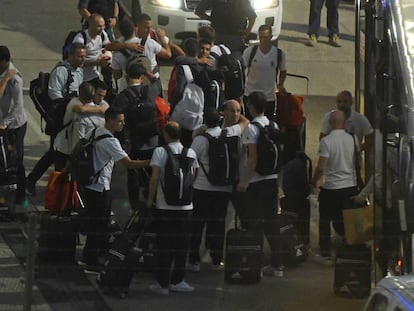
x: 163, y: 109
x: 289, y: 109
x: 60, y: 193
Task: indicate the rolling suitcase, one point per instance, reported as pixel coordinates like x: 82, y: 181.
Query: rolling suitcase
x: 294, y: 250
x: 352, y: 276
x: 243, y: 256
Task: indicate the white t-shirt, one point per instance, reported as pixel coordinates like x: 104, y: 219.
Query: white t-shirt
x: 151, y: 49
x: 94, y: 50
x: 159, y: 158
x: 356, y: 124
x: 107, y: 151
x: 250, y: 136
x: 200, y: 146
x: 119, y: 62
x: 339, y: 148
x: 261, y: 75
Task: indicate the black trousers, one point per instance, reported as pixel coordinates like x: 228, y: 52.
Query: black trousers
x: 19, y: 134
x: 44, y: 162
x: 257, y: 209
x: 98, y: 211
x: 210, y: 210
x: 172, y: 228
x: 331, y: 204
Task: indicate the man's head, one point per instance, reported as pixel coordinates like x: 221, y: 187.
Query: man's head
x: 4, y: 58
x: 114, y: 119
x: 126, y: 28
x: 344, y: 101
x: 337, y: 119
x: 77, y: 54
x: 96, y: 25
x: 135, y: 71
x: 86, y: 92
x: 256, y: 103
x: 211, y: 117
x: 144, y: 25
x: 190, y: 47
x: 100, y: 91
x: 204, y: 48
x: 265, y: 36
x: 232, y: 111
x: 172, y: 132
x: 207, y: 33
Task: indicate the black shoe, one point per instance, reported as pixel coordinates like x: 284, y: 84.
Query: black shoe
x: 30, y: 187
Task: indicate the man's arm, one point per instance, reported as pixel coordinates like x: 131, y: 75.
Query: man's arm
x: 153, y: 185
x: 250, y: 167
x: 128, y: 163
x: 81, y: 108
x: 3, y: 82
x: 165, y: 47
x: 250, y: 23
x: 319, y: 171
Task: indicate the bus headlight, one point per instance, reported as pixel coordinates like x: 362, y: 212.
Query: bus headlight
x: 264, y: 4
x: 172, y: 4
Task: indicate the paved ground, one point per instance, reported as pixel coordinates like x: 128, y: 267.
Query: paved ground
x: 35, y: 35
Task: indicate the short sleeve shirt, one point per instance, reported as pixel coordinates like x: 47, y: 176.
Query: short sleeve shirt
x: 159, y: 158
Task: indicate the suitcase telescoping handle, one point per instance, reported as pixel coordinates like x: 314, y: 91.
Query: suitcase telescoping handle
x: 301, y: 77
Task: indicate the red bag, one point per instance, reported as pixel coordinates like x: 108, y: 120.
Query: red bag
x: 60, y: 193
x: 163, y: 109
x: 289, y: 109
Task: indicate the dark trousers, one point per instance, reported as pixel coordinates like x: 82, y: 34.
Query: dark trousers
x: 315, y: 16
x: 98, y: 211
x: 172, y: 229
x: 19, y: 134
x: 210, y: 210
x: 138, y: 178
x: 331, y: 204
x: 61, y: 160
x: 257, y: 209
x: 44, y: 162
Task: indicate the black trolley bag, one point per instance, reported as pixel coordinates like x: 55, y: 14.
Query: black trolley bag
x: 123, y: 257
x: 243, y: 255
x: 352, y: 276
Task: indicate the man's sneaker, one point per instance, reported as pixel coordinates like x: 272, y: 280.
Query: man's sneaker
x: 272, y: 271
x: 194, y: 267
x: 156, y: 288
x: 324, y: 260
x: 334, y: 40
x: 30, y: 187
x: 183, y: 286
x: 218, y: 267
x: 312, y: 40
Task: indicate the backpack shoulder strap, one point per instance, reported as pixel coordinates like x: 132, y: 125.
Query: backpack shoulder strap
x: 188, y: 74
x: 257, y: 124
x: 83, y: 36
x: 252, y: 54
x: 126, y: 53
x: 279, y: 59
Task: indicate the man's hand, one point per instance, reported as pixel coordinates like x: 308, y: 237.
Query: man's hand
x: 10, y: 74
x: 103, y: 61
x: 135, y: 47
x: 242, y: 187
x: 3, y: 126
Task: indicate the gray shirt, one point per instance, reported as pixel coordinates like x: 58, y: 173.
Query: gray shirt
x: 59, y: 77
x: 12, y: 113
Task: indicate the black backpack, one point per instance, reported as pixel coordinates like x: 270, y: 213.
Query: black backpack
x: 269, y: 149
x: 296, y: 176
x: 223, y: 159
x: 231, y: 69
x: 52, y: 111
x: 81, y: 160
x: 178, y: 178
x: 140, y: 116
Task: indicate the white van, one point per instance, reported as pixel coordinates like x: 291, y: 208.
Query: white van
x: 177, y: 17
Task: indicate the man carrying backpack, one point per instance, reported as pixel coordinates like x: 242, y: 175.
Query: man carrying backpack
x: 97, y: 195
x: 142, y: 133
x: 64, y: 83
x: 173, y: 169
x: 256, y: 199
x: 218, y: 155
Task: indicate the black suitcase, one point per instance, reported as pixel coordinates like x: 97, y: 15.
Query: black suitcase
x: 299, y: 209
x: 120, y: 267
x: 294, y: 250
x: 352, y: 275
x: 8, y: 159
x: 243, y: 256
x: 57, y: 238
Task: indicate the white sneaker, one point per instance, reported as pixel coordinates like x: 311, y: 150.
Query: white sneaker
x: 327, y: 261
x: 272, y: 271
x: 194, y: 267
x: 183, y: 286
x: 156, y: 288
